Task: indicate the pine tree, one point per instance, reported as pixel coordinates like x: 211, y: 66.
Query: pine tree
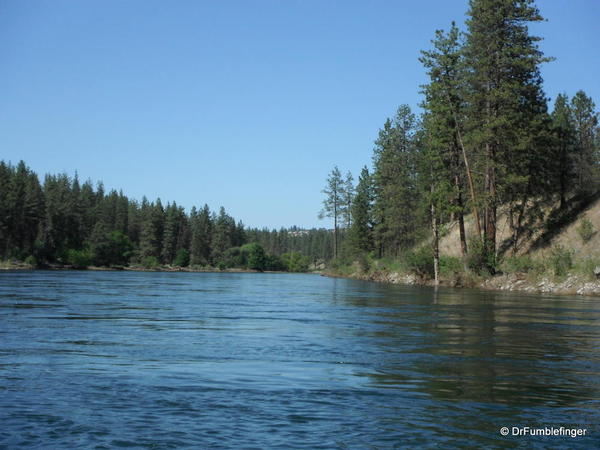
x: 564, y: 144
x: 171, y: 231
x: 201, y: 227
x: 347, y: 195
x: 444, y: 104
x: 333, y: 204
x: 585, y: 120
x: 360, y: 235
x: 506, y: 103
x: 395, y: 185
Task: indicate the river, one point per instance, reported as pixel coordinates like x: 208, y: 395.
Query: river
x: 222, y: 360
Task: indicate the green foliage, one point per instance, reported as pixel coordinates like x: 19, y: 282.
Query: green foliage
x: 587, y: 267
x: 182, y: 258
x: 420, y: 261
x: 79, y: 259
x: 112, y: 248
x: 519, y: 264
x: 561, y: 260
x: 295, y: 262
x: 255, y: 256
x: 31, y: 261
x: 233, y: 257
x: 586, y: 230
x: 360, y: 234
x: 479, y: 260
x: 451, y: 265
x: 274, y: 263
x: 396, y: 204
x: 150, y: 262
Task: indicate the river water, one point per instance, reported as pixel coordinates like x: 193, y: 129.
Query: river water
x: 221, y: 360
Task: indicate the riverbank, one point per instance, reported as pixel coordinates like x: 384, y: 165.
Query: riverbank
x: 19, y: 265
x: 571, y: 284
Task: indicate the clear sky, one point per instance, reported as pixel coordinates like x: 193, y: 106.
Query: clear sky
x: 246, y: 104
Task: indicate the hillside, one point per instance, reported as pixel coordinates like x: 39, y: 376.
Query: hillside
x: 564, y: 232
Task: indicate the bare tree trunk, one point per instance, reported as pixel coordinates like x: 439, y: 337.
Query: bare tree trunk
x: 436, y: 243
x: 461, y: 218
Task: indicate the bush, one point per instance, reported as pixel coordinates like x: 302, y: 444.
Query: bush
x: 233, y: 257
x: 420, y: 261
x: 561, y: 260
x: 295, y: 262
x: 522, y: 264
x: 586, y: 230
x: 182, y: 259
x: 274, y: 263
x: 477, y: 259
x: 451, y: 265
x: 150, y: 262
x: 255, y: 256
x: 79, y: 259
x: 31, y: 261
x: 587, y: 267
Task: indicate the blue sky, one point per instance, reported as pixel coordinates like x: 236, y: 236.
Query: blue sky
x: 245, y: 104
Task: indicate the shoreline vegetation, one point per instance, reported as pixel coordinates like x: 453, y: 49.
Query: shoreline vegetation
x: 490, y: 186
x: 19, y: 265
x: 577, y: 282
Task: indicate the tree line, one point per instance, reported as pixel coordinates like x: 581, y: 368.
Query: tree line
x: 486, y: 143
x: 64, y: 221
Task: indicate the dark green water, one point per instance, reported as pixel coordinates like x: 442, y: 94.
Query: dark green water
x: 172, y: 360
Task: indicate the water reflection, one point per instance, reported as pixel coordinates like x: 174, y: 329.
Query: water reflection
x: 485, y: 346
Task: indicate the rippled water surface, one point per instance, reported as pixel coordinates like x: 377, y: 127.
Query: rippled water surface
x: 171, y: 360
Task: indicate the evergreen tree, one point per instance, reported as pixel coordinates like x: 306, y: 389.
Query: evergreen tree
x: 444, y: 105
x: 201, y: 236
x: 348, y: 193
x: 333, y: 203
x: 395, y: 185
x: 506, y: 104
x: 360, y: 235
x: 565, y: 145
x: 152, y: 228
x: 585, y: 120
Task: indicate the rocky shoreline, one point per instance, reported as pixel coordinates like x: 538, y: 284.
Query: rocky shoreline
x: 570, y: 285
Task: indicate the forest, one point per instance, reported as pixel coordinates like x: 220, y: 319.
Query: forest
x: 487, y: 144
x: 64, y: 222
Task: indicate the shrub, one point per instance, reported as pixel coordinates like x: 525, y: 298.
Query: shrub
x: 477, y: 259
x: 182, y: 259
x: 255, y: 256
x: 79, y: 259
x: 561, y: 260
x: 295, y: 262
x: 31, y: 261
x: 450, y: 265
x: 516, y: 264
x: 364, y: 262
x: 233, y: 257
x: 587, y: 267
x: 586, y: 230
x: 274, y: 263
x: 420, y: 261
x: 150, y: 262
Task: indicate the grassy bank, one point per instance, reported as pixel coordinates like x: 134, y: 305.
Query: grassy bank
x: 560, y: 272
